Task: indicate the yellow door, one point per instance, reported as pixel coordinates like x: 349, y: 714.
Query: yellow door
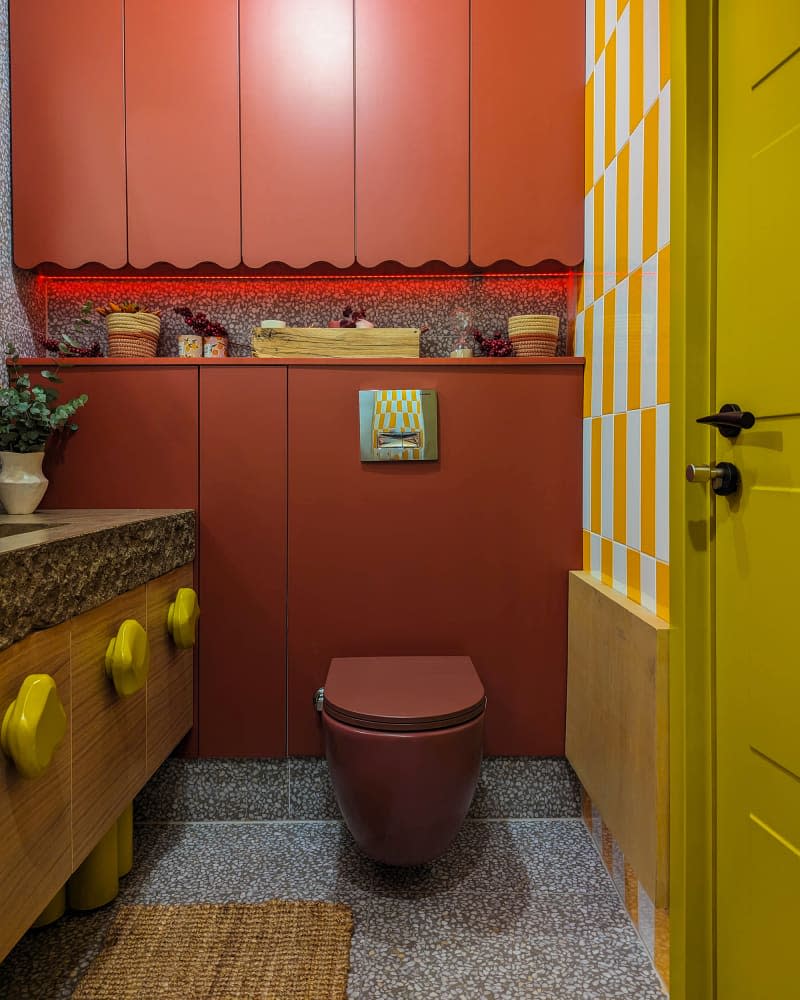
x: 757, y: 539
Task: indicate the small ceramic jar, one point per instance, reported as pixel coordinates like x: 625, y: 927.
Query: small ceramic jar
x: 215, y: 347
x: 190, y: 345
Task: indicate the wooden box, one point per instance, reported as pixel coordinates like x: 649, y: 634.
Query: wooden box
x: 617, y: 722
x: 332, y: 342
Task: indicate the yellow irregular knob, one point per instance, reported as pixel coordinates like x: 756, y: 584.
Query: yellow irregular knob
x: 128, y: 657
x: 182, y: 618
x: 34, y: 725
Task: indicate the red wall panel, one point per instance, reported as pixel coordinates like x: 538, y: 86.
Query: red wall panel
x: 137, y: 442
x: 182, y: 115
x: 297, y: 132
x: 243, y: 562
x: 465, y: 555
x: 68, y: 123
x: 412, y: 131
x: 527, y: 131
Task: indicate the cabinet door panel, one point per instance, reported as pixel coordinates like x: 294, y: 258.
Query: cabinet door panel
x: 137, y: 443
x: 68, y: 122
x: 297, y: 131
x: 170, y: 682
x: 182, y: 113
x: 242, y: 673
x: 35, y: 841
x: 527, y: 131
x: 412, y: 131
x: 108, y: 751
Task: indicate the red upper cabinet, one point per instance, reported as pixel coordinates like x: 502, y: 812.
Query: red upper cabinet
x: 68, y: 123
x: 182, y: 112
x: 527, y: 131
x: 297, y: 132
x: 412, y: 131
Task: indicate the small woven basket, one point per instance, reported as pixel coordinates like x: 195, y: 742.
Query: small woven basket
x: 133, y: 335
x: 533, y: 345
x: 534, y: 336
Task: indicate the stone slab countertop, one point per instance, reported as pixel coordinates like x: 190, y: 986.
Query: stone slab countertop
x: 56, y: 564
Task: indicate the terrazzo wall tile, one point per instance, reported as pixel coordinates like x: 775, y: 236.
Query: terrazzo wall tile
x: 526, y: 787
x: 241, y: 303
x: 22, y: 295
x: 184, y: 789
x: 243, y: 789
x: 310, y: 789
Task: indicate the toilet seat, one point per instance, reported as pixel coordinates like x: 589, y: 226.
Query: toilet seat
x: 403, y: 693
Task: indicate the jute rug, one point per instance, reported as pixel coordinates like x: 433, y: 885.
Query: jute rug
x: 279, y: 950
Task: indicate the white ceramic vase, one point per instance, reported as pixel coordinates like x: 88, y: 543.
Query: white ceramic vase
x: 22, y: 483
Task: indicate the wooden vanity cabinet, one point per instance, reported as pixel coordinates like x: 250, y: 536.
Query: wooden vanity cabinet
x: 35, y: 840
x: 113, y: 744
x: 170, y: 681
x: 108, y: 746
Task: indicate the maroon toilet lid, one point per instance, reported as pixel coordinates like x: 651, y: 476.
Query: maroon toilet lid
x: 396, y: 693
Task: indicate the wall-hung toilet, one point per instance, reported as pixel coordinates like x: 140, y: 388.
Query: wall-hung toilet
x: 403, y: 740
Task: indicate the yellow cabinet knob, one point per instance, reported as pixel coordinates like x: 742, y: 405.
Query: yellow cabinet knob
x: 182, y: 618
x: 34, y: 725
x: 128, y: 657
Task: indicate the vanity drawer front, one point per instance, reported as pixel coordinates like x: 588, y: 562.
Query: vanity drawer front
x: 35, y: 845
x: 170, y: 684
x: 109, y: 749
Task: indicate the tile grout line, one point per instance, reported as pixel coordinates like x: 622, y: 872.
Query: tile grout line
x: 340, y: 822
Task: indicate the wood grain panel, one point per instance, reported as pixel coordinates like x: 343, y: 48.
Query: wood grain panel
x: 242, y: 672
x: 182, y: 117
x: 527, y: 131
x: 68, y: 123
x: 297, y: 132
x: 617, y: 722
x: 318, y: 342
x: 170, y: 682
x: 35, y: 839
x: 466, y: 555
x: 137, y: 443
x: 412, y: 131
x: 108, y: 745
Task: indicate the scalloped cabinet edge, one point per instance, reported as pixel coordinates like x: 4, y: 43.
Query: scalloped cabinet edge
x: 250, y: 131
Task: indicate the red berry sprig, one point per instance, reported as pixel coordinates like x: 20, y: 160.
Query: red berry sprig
x: 496, y: 346
x: 201, y: 324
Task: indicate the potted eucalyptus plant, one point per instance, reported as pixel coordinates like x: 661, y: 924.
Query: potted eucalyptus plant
x: 29, y: 416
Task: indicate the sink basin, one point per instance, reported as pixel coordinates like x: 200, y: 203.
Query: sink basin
x: 21, y: 528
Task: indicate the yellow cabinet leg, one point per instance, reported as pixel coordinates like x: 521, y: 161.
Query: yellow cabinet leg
x: 54, y: 909
x: 125, y: 841
x: 96, y: 882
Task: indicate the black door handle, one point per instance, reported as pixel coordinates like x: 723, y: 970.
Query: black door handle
x: 730, y: 420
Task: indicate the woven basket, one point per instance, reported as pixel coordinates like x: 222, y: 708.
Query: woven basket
x: 535, y: 323
x: 133, y: 335
x: 534, y: 345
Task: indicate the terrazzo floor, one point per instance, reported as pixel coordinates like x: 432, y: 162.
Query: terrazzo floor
x: 516, y: 910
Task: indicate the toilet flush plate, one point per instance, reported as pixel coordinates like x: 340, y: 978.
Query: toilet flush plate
x: 398, y: 425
